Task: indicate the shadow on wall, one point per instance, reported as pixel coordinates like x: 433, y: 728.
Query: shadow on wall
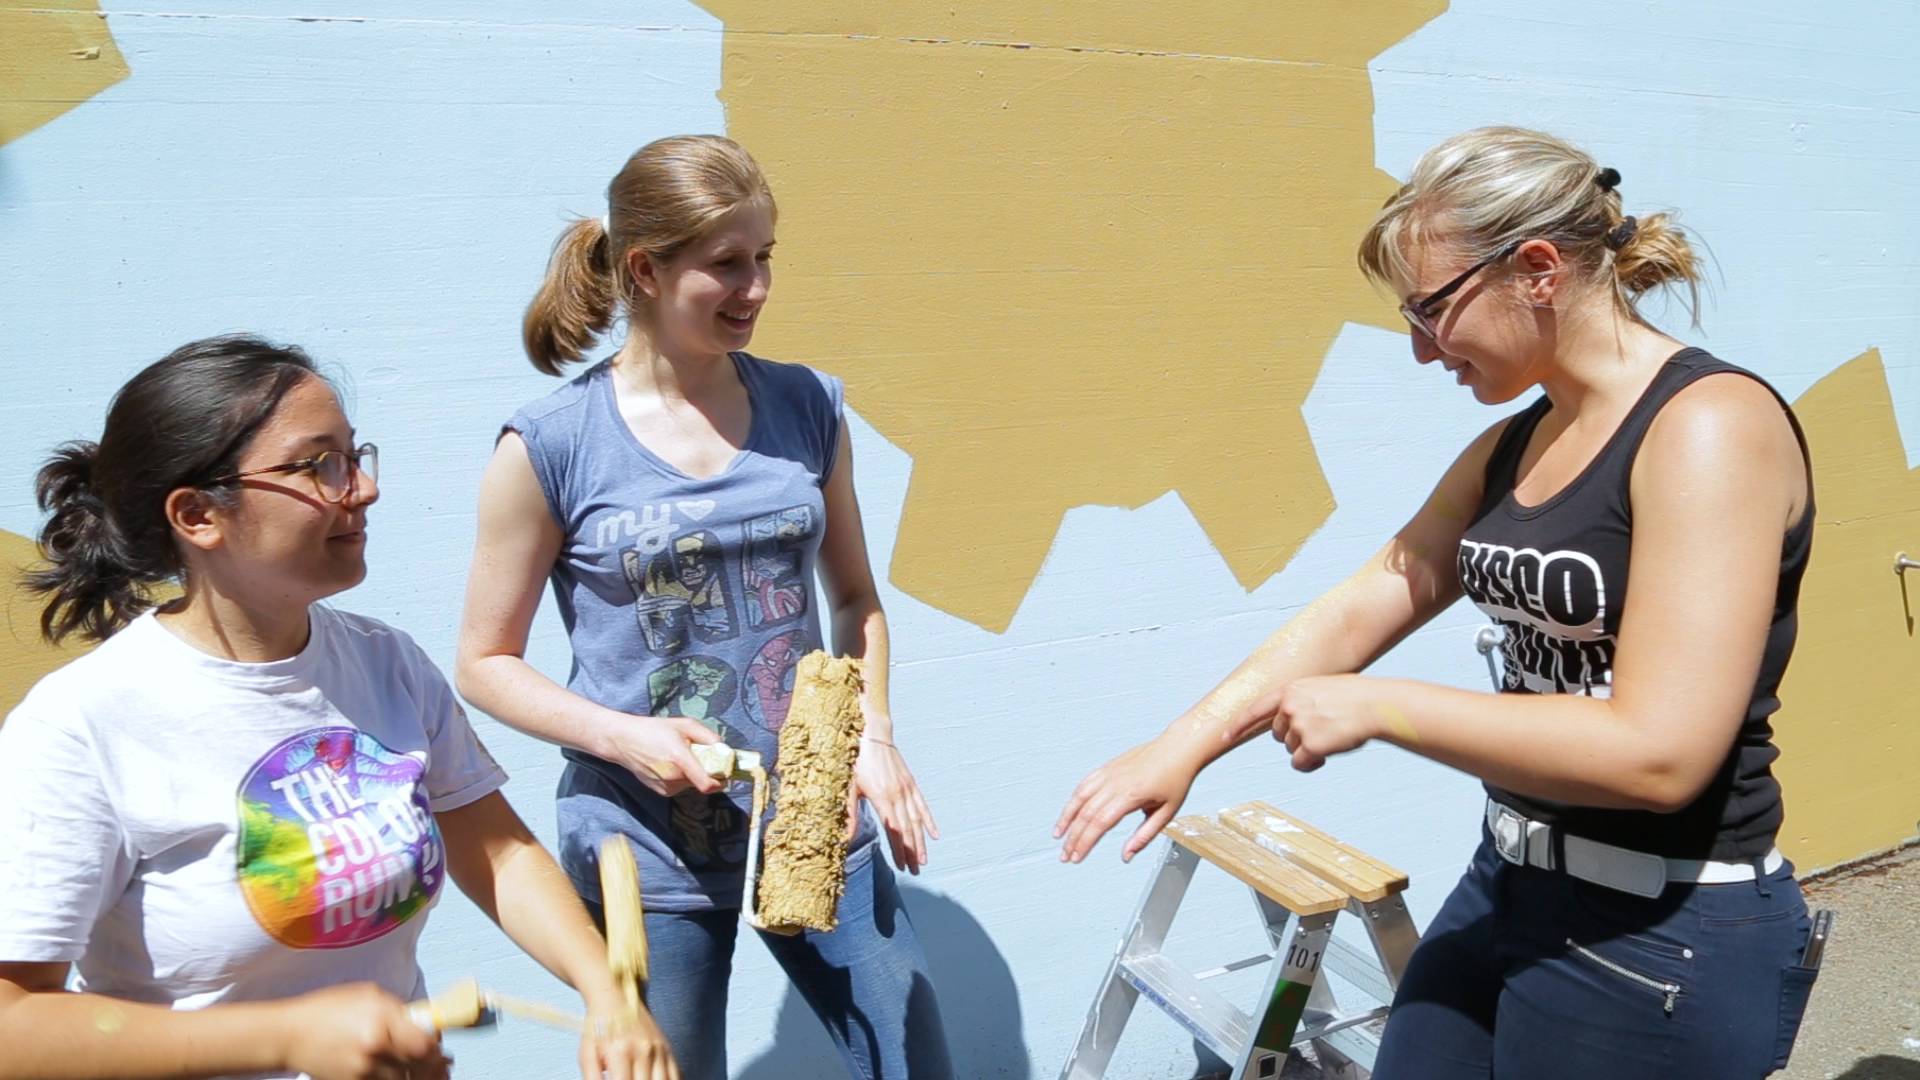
x: 1883, y: 1067
x: 978, y: 1002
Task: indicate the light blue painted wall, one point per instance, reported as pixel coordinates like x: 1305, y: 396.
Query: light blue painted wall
x: 384, y: 191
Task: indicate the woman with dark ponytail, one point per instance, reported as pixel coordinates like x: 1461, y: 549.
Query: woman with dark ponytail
x: 229, y: 821
x: 679, y: 495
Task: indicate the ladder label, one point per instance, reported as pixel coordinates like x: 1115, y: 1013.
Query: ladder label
x: 1302, y: 962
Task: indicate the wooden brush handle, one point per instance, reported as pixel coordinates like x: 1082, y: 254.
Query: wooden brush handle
x: 459, y: 1006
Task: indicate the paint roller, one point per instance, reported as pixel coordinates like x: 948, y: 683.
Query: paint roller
x: 803, y: 868
x: 794, y: 884
x: 796, y: 877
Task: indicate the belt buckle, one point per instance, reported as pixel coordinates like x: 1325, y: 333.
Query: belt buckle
x: 1509, y: 835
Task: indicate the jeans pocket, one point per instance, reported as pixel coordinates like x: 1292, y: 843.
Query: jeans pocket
x: 1669, y: 991
x: 1796, y: 986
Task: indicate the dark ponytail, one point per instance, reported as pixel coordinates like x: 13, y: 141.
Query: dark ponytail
x: 181, y: 422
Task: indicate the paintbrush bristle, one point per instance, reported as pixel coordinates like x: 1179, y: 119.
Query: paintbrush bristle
x: 626, y: 928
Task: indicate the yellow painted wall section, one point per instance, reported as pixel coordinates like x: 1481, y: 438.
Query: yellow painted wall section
x: 1850, y: 746
x: 1059, y: 267
x: 24, y: 657
x: 54, y: 54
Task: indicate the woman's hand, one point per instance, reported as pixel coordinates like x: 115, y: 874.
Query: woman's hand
x: 1325, y: 715
x: 1153, y: 777
x: 656, y: 750
x: 626, y: 1048
x: 359, y: 1032
x: 880, y: 774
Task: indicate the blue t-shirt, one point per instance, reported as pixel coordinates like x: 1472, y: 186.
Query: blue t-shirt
x: 683, y: 597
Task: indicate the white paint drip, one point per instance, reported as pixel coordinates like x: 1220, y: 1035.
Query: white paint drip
x: 1281, y: 826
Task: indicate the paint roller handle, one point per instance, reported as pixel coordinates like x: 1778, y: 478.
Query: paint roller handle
x: 658, y: 750
x: 723, y: 762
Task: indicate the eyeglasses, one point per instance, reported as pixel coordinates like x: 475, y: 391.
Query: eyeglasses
x: 1419, y: 313
x: 332, y: 472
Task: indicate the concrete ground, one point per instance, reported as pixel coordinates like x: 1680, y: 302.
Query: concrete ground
x: 1864, y: 1020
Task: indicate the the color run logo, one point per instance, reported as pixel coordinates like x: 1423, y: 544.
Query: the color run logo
x: 337, y: 843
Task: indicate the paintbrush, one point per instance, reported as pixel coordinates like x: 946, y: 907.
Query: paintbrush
x: 465, y: 1005
x: 626, y: 927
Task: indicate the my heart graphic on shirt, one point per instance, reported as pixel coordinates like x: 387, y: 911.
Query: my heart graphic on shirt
x: 697, y: 510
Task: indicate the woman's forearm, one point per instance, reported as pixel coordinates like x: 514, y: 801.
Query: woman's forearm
x: 1321, y: 640
x: 62, y: 1036
x: 515, y: 693
x: 539, y: 910
x: 860, y: 631
x: 1567, y: 748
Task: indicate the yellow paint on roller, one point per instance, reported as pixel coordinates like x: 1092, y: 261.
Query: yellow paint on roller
x: 1070, y: 253
x: 1850, y: 752
x: 803, y: 870
x: 54, y: 55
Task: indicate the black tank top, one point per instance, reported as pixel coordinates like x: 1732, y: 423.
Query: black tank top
x: 1554, y: 576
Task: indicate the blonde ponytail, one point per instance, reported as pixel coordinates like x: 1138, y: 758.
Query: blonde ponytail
x: 1656, y: 255
x: 575, y: 304
x: 667, y: 195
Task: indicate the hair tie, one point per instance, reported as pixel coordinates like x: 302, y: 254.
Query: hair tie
x: 1608, y: 179
x: 606, y: 223
x: 1623, y: 233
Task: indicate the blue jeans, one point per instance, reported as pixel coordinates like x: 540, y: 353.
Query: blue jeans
x: 867, y: 982
x: 1530, y: 973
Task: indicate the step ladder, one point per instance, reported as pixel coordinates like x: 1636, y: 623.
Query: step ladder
x: 1301, y: 879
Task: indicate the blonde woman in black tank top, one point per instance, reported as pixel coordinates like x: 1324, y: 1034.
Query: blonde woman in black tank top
x: 1626, y: 913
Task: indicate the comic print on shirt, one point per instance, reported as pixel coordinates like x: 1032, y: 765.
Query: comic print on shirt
x: 709, y: 830
x: 771, y: 570
x: 1553, y: 608
x: 700, y: 687
x: 770, y: 679
x: 680, y: 592
x: 337, y: 842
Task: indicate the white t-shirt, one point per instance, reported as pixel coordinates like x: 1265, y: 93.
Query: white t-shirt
x: 191, y: 831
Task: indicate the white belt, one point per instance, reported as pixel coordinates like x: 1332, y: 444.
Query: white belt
x: 1524, y: 842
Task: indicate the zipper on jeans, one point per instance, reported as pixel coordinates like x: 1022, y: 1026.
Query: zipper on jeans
x: 1668, y: 991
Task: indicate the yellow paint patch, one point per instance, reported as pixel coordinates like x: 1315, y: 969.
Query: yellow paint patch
x: 1086, y: 254
x: 1850, y: 752
x: 54, y: 55
x: 24, y: 657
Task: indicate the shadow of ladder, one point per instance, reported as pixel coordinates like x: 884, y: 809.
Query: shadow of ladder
x: 1301, y: 880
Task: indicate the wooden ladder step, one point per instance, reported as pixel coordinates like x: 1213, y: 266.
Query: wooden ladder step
x: 1346, y: 868
x: 1280, y: 881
